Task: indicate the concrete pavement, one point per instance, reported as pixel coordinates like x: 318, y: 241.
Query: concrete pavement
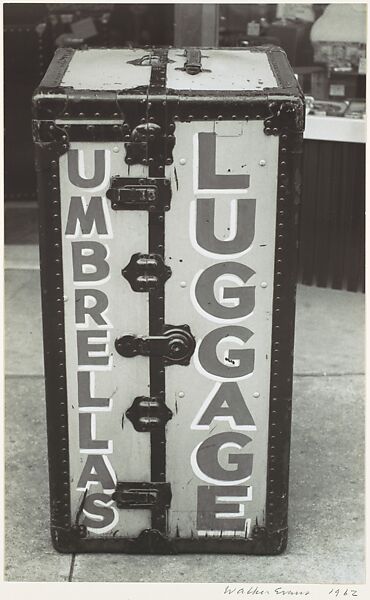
x: 326, y: 511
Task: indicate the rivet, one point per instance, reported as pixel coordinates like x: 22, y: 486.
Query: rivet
x: 97, y: 114
x: 256, y: 395
x: 220, y: 117
x: 183, y: 284
x: 81, y: 114
x: 275, y: 131
x: 181, y: 394
x: 115, y: 149
x: 263, y: 284
x: 65, y: 298
x: 182, y: 161
x: 262, y: 163
x: 205, y: 117
x: 284, y: 136
x: 191, y: 117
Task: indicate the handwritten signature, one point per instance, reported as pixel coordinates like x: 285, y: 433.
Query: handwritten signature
x: 255, y: 590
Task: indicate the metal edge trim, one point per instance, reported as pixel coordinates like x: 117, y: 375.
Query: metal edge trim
x: 282, y: 343
x: 57, y: 68
x: 53, y: 334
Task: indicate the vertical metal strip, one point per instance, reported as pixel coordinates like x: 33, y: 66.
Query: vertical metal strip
x: 156, y: 297
x: 54, y: 345
x: 288, y: 197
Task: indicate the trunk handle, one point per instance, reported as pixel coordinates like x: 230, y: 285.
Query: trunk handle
x: 193, y: 61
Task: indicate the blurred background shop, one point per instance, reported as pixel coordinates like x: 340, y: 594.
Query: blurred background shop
x: 326, y: 46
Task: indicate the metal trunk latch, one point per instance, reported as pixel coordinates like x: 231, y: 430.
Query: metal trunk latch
x: 149, y: 145
x: 146, y: 272
x: 142, y: 494
x: 148, y: 413
x: 138, y: 193
x: 176, y: 345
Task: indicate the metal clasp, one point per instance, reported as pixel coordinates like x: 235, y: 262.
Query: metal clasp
x: 148, y: 413
x: 134, y: 193
x: 142, y: 494
x: 176, y: 345
x: 146, y: 272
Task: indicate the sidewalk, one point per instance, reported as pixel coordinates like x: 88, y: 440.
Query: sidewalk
x: 326, y: 508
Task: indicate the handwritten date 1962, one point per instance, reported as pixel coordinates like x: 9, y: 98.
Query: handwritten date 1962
x: 340, y: 592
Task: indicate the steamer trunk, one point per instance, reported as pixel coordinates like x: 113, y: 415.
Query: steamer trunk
x: 169, y: 186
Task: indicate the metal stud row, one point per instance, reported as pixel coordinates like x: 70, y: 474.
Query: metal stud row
x: 275, y: 425
x: 63, y: 454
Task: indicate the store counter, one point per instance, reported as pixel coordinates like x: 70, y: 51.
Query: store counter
x: 335, y: 129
